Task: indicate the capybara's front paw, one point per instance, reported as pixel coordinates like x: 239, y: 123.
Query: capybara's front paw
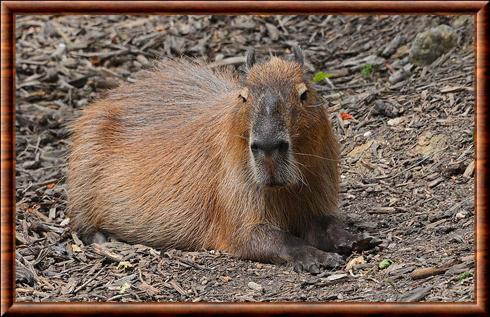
x: 357, y: 243
x: 311, y: 260
x: 365, y: 243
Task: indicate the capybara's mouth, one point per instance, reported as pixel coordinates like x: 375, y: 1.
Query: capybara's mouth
x: 273, y: 175
x: 274, y: 181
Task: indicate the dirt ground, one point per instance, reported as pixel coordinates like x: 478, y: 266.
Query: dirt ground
x: 407, y: 156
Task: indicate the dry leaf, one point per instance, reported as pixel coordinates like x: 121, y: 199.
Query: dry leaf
x: 346, y: 116
x: 355, y: 261
x: 75, y: 248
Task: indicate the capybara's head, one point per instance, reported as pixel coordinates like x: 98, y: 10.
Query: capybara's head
x: 279, y: 118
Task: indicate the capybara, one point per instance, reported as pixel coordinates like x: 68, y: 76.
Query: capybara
x: 191, y: 157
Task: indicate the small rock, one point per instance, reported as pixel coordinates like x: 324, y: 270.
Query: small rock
x: 395, y: 121
x: 430, y: 45
x: 142, y: 59
x: 386, y: 109
x: 255, y: 286
x: 460, y: 215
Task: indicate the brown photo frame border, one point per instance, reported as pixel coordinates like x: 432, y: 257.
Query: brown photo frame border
x: 11, y: 8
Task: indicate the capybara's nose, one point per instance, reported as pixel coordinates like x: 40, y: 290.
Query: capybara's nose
x: 269, y: 147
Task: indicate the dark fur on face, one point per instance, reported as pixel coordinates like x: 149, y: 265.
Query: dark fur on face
x: 279, y: 103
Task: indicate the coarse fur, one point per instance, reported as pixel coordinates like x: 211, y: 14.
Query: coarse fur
x: 166, y: 161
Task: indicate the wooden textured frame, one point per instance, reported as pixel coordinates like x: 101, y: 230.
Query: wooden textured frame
x: 11, y: 8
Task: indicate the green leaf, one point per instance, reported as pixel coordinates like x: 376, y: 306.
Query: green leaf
x: 320, y: 76
x: 385, y: 263
x: 464, y: 275
x: 367, y: 70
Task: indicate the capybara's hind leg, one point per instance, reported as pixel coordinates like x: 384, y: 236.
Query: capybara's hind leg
x: 99, y: 237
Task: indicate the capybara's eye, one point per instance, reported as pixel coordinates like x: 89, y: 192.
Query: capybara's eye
x: 302, y: 91
x: 304, y: 96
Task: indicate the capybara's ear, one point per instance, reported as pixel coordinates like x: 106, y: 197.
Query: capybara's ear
x: 298, y: 55
x: 250, y: 57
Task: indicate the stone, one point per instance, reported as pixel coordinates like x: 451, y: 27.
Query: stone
x: 431, y: 44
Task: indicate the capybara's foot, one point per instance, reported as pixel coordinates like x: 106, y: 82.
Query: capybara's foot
x: 99, y: 238
x: 96, y: 237
x: 312, y: 260
x: 349, y: 243
x: 271, y: 245
x: 328, y: 233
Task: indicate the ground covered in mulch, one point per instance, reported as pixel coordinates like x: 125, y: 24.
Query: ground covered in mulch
x: 407, y: 135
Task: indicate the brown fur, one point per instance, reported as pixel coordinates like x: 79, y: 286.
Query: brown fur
x: 165, y: 161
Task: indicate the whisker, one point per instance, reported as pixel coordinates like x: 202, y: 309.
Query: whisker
x: 305, y: 167
x: 317, y: 156
x: 295, y: 171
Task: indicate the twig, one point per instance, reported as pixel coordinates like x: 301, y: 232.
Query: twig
x: 228, y: 61
x: 101, y: 250
x: 88, y: 281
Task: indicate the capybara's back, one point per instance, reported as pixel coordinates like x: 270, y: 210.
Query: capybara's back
x: 142, y: 158
x: 191, y: 158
